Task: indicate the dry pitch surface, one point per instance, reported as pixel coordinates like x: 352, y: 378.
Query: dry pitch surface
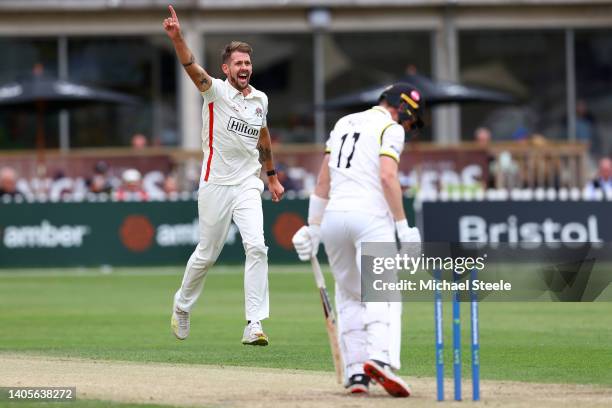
x: 217, y: 386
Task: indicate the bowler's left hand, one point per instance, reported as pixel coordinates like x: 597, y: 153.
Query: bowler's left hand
x: 276, y: 189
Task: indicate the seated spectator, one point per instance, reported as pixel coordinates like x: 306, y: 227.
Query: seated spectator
x: 61, y: 187
x: 99, y: 185
x: 131, y: 187
x: 603, y: 181
x: 8, y: 183
x: 170, y: 185
x: 100, y: 182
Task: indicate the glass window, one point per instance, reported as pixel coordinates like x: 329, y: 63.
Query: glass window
x: 19, y: 57
x: 593, y: 85
x: 364, y: 60
x: 283, y: 69
x: 527, y: 64
x: 143, y: 67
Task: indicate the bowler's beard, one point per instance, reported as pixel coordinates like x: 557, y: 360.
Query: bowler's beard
x: 235, y: 81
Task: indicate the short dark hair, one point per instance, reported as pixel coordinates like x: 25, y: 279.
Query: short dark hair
x: 235, y: 46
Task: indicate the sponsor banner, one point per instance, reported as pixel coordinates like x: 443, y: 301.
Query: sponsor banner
x: 131, y: 233
x: 524, y: 224
x: 153, y: 233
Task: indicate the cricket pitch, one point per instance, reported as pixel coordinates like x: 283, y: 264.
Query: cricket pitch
x: 221, y: 386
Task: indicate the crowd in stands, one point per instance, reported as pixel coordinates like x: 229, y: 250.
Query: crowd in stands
x: 130, y: 184
x: 106, y: 183
x: 530, y: 160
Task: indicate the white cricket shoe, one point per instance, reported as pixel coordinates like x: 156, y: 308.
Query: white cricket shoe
x: 180, y: 323
x: 382, y: 374
x: 254, y: 335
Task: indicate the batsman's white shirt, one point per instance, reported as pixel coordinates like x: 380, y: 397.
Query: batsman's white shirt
x: 355, y: 146
x: 230, y: 132
x: 358, y: 212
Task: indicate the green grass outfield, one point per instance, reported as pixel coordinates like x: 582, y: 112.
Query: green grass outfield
x: 125, y: 315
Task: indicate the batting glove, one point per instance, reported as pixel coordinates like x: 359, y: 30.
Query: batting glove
x: 406, y: 233
x: 306, y: 241
x: 410, y: 239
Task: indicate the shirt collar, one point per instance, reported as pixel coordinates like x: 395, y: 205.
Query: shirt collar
x: 382, y: 110
x: 234, y: 92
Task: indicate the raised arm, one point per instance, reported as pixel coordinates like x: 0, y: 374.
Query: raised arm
x: 198, y: 75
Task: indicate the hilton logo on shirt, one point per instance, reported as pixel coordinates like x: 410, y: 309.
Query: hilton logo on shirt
x: 242, y: 128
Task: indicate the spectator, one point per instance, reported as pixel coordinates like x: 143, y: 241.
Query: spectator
x: 101, y: 167
x: 585, y: 123
x: 538, y: 140
x: 100, y: 181
x: 131, y: 187
x: 170, y: 185
x: 482, y: 137
x: 139, y: 141
x: 8, y: 183
x: 603, y: 181
x: 521, y: 135
x: 99, y: 185
x: 505, y: 171
x: 61, y: 187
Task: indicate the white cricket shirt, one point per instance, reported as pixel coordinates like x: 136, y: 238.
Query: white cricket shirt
x: 230, y: 132
x: 355, y: 146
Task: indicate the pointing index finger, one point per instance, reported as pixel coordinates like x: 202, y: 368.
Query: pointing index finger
x: 172, y: 12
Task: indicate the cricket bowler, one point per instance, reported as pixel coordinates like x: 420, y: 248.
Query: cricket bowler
x: 236, y: 143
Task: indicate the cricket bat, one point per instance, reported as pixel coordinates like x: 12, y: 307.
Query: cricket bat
x: 330, y: 319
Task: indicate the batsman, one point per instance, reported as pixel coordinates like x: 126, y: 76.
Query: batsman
x: 358, y: 198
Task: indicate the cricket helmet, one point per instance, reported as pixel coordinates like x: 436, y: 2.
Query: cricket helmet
x: 408, y: 101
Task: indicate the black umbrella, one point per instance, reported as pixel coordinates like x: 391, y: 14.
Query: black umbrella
x: 41, y: 93
x: 56, y: 94
x: 433, y: 92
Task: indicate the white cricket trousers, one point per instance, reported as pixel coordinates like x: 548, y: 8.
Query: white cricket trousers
x: 367, y: 330
x: 217, y: 206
